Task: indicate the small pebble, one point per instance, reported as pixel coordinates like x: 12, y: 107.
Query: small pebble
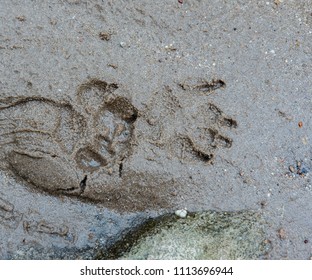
x: 21, y: 18
x: 277, y: 2
x: 292, y: 169
x: 110, y: 171
x: 123, y: 44
x: 151, y: 121
x: 182, y: 213
x: 282, y: 233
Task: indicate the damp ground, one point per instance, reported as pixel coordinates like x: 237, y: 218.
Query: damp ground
x: 115, y: 113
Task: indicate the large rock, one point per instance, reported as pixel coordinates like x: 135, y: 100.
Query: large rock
x: 206, y: 235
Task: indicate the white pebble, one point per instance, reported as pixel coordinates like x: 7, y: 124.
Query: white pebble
x: 182, y: 213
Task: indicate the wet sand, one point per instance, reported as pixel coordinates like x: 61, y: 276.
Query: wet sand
x: 112, y: 113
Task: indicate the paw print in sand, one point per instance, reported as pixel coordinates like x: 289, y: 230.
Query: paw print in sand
x: 187, y: 124
x: 56, y: 146
x: 82, y: 148
x: 109, y: 128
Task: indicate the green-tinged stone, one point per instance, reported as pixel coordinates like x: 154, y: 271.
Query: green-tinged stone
x: 205, y: 235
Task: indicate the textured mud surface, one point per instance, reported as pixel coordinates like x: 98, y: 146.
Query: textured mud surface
x: 81, y: 149
x: 114, y: 112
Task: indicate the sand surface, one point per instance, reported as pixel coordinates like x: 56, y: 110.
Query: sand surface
x: 112, y: 112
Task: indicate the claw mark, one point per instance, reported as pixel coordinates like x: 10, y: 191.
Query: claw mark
x: 83, y: 184
x: 194, y: 132
x: 228, y: 122
x: 44, y: 227
x: 6, y: 206
x: 210, y: 86
x: 8, y: 216
x: 120, y: 169
x: 186, y: 150
x: 202, y: 85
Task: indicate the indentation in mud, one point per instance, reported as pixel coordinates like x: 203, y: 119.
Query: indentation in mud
x: 229, y: 122
x: 202, y: 85
x: 45, y: 173
x: 52, y: 145
x: 210, y: 138
x: 120, y: 169
x: 89, y: 160
x: 57, y: 147
x: 192, y: 133
x: 184, y: 148
x: 210, y: 86
x: 83, y: 184
x: 45, y: 227
x: 8, y: 216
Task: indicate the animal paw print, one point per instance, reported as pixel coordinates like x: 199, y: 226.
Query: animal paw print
x: 9, y: 217
x: 47, y: 228
x: 189, y: 132
x: 79, y: 148
x: 203, y: 137
x: 52, y: 144
x: 109, y: 129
